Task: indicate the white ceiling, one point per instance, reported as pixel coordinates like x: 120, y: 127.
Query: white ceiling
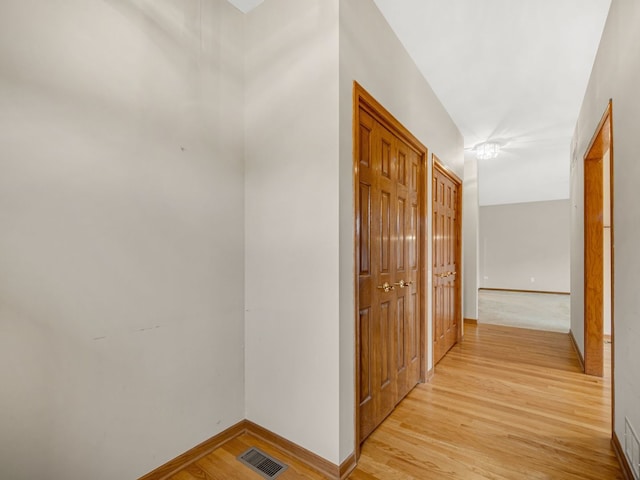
x: 514, y: 71
x: 507, y: 70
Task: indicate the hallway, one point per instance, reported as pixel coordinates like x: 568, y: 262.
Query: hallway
x: 504, y: 404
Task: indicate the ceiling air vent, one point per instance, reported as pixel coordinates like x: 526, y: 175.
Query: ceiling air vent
x: 261, y: 463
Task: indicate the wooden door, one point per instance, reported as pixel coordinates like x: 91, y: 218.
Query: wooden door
x: 447, y: 196
x: 377, y: 256
x: 407, y: 274
x: 388, y: 260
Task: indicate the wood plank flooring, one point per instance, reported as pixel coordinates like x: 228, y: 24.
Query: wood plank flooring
x: 504, y: 404
x: 222, y: 464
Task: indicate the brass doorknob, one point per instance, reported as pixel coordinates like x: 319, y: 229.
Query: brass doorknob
x: 386, y: 286
x: 401, y: 284
x: 445, y: 274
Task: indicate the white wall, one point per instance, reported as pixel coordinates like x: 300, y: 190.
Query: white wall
x: 125, y: 201
x: 470, y: 236
x: 525, y: 246
x: 616, y: 75
x: 121, y: 252
x: 292, y: 295
x: 576, y: 238
x: 371, y: 54
x: 606, y: 243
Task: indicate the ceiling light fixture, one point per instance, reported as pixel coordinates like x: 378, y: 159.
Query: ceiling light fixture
x: 487, y: 150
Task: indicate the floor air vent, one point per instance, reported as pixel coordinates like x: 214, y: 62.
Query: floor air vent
x: 260, y: 462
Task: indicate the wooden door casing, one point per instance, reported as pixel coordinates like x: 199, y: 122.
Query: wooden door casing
x: 593, y: 267
x: 447, y: 221
x: 601, y: 145
x: 389, y: 165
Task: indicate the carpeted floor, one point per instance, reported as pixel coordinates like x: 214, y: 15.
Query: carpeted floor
x: 539, y: 311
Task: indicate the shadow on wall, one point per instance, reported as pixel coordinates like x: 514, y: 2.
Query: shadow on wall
x: 174, y: 32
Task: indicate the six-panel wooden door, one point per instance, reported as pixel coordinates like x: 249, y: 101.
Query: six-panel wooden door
x: 388, y: 235
x: 446, y: 261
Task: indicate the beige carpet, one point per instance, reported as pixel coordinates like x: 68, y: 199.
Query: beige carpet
x: 539, y: 311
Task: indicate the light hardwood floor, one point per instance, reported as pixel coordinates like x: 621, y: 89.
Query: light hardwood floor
x: 504, y: 404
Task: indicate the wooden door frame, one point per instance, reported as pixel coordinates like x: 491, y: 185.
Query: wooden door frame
x: 601, y: 141
x: 363, y: 99
x: 438, y: 165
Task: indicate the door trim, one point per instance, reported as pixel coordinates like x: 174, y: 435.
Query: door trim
x: 595, y: 149
x: 601, y: 141
x: 442, y: 169
x: 363, y: 99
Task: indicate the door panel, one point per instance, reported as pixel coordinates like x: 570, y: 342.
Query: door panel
x: 446, y: 262
x: 388, y: 236
x: 407, y: 272
x: 375, y: 229
x: 369, y: 253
